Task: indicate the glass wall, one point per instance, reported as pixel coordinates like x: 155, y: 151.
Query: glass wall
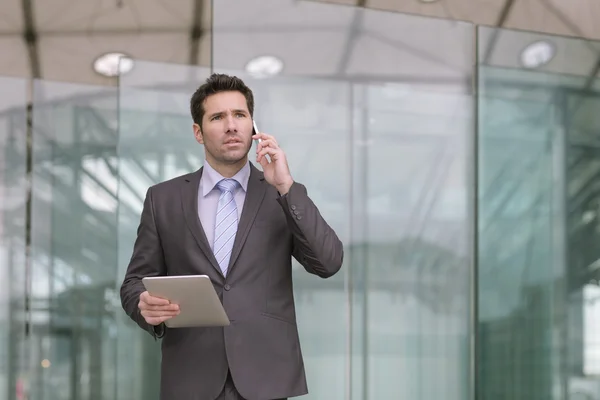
x: 13, y: 239
x: 537, y: 161
x: 384, y: 147
x: 73, y: 243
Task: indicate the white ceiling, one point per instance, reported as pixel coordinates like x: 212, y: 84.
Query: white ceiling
x: 311, y: 37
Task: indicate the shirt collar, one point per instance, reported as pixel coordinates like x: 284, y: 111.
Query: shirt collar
x: 210, y: 178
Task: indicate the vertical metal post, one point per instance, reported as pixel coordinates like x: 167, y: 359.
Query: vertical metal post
x: 359, y: 250
x: 560, y: 240
x: 473, y: 213
x: 349, y: 281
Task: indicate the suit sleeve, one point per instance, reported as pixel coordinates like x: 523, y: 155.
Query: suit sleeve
x: 147, y: 260
x: 316, y: 245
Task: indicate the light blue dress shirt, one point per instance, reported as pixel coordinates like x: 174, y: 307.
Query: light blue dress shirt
x: 208, y: 197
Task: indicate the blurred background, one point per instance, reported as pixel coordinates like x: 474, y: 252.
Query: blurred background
x: 453, y: 144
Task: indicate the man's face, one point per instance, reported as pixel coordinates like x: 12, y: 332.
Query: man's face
x: 226, y: 128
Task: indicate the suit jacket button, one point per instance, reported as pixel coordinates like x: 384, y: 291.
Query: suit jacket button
x: 293, y: 207
x: 227, y: 287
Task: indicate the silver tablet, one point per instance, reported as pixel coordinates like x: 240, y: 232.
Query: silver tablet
x: 198, y: 302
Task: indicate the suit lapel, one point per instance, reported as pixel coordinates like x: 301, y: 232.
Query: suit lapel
x: 254, y: 197
x: 189, y: 198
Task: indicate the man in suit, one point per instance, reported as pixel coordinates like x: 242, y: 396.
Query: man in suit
x: 241, y: 227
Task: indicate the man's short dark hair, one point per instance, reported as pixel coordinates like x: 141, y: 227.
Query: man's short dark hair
x: 217, y: 83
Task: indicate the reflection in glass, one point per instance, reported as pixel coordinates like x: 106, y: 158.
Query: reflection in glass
x: 73, y: 258
x: 416, y: 267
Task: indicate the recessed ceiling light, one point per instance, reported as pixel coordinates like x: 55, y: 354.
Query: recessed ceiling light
x: 428, y: 1
x: 113, y: 64
x: 537, y: 54
x: 264, y: 66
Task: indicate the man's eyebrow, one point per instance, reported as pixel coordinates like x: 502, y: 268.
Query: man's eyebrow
x: 235, y: 111
x: 215, y: 114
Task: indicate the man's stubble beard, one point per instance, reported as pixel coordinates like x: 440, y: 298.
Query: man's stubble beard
x: 231, y: 161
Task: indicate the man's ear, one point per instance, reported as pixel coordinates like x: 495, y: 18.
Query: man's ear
x: 198, y: 133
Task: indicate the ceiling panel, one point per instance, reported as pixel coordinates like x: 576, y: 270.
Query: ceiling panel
x: 572, y: 56
x: 17, y: 64
x: 535, y: 14
x: 112, y: 15
x: 207, y: 13
x: 11, y: 17
x: 70, y: 58
x: 487, y: 11
x: 205, y: 49
x: 276, y: 16
x: 581, y: 16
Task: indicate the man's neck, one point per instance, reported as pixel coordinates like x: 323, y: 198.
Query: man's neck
x: 228, y: 170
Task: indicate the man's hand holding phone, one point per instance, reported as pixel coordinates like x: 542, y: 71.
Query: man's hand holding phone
x: 156, y: 310
x: 276, y: 170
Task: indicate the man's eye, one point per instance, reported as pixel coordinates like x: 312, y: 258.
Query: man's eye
x: 216, y: 118
x: 240, y: 115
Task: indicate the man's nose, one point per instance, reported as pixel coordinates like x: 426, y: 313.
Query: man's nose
x: 231, y: 124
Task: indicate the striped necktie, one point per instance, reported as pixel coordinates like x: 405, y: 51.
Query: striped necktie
x: 226, y: 223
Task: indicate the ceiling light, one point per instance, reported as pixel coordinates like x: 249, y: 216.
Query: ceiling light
x: 113, y: 64
x: 537, y: 54
x: 264, y: 66
x: 428, y: 1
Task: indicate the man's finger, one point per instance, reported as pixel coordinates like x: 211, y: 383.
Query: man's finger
x: 264, y: 137
x: 266, y: 143
x: 267, y: 150
x: 152, y: 300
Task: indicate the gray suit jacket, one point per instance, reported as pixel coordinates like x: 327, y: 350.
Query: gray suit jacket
x: 261, y: 346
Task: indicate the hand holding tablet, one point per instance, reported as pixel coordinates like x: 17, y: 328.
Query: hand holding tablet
x: 182, y: 302
x: 156, y: 310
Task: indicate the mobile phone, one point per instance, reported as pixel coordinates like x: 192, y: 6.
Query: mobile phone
x: 254, y: 132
